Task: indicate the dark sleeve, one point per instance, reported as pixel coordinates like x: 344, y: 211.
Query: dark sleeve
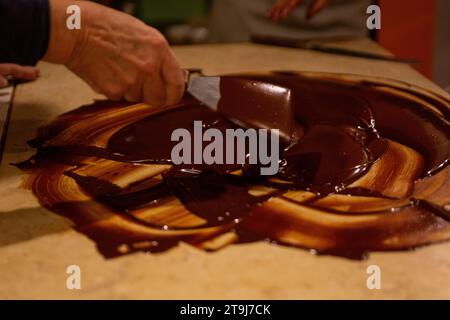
x: 24, y: 30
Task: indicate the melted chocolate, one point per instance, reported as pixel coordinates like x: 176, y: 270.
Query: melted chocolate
x: 334, y: 132
x: 259, y: 104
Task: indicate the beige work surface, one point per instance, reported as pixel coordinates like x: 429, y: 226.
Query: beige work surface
x: 36, y: 246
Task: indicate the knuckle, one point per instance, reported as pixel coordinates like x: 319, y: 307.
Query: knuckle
x: 159, y: 42
x: 149, y: 67
x: 154, y: 100
x: 114, y: 93
x: 130, y: 81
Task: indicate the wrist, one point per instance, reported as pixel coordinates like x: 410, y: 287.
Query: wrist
x: 63, y: 41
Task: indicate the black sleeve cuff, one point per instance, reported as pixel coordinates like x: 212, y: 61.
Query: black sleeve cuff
x: 24, y: 30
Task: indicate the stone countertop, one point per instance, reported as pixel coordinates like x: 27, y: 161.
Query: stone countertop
x: 37, y: 246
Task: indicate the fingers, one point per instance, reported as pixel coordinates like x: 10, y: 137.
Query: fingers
x: 274, y: 11
x: 164, y: 81
x: 282, y: 9
x: 315, y: 7
x: 153, y: 88
x: 289, y: 8
x: 131, y: 61
x: 134, y: 94
x: 16, y: 71
x: 19, y: 72
x: 3, y: 82
x: 159, y: 88
x: 173, y: 77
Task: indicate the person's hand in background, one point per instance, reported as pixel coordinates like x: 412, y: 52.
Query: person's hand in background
x: 116, y: 54
x: 17, y: 72
x: 283, y: 8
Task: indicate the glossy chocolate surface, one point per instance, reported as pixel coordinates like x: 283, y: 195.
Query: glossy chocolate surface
x: 358, y: 161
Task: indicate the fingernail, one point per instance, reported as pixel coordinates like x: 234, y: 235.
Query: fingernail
x: 34, y: 73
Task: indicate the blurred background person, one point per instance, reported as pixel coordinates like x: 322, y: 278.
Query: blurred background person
x: 237, y: 20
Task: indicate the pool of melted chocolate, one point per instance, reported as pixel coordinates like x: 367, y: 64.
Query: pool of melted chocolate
x: 357, y: 163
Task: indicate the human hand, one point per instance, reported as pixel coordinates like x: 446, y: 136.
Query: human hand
x: 283, y: 8
x: 116, y: 54
x: 17, y: 72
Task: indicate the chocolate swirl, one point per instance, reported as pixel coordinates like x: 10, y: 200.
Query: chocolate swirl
x: 365, y: 169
